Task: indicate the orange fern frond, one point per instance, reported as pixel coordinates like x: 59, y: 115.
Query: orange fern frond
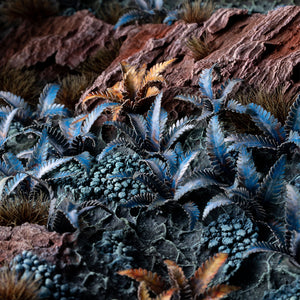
x: 143, y: 293
x: 116, y: 110
x: 156, y: 70
x: 152, y: 91
x: 167, y: 295
x: 206, y: 273
x: 141, y: 74
x: 130, y: 84
x: 152, y: 280
x: 219, y: 291
x: 176, y: 274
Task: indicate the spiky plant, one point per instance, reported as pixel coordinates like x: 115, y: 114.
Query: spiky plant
x: 21, y: 208
x: 46, y: 108
x: 287, y: 235
x: 135, y: 92
x: 22, y: 82
x: 196, y: 11
x: 259, y: 198
x: 195, y: 287
x: 13, y: 287
x: 150, y: 135
x: 38, y: 164
x: 65, y: 215
x: 165, y: 181
x: 199, y: 47
x: 31, y: 10
x: 209, y: 103
x: 147, y: 10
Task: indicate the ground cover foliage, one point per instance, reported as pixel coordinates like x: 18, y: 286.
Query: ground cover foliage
x: 145, y: 203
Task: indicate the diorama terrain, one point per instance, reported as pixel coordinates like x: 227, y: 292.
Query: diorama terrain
x: 149, y: 149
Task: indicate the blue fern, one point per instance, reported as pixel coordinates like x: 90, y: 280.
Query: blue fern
x: 210, y: 104
x: 149, y: 136
x: 286, y: 235
x: 146, y: 10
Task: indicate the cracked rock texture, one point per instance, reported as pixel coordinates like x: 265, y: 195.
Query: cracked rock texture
x: 33, y: 237
x: 263, y: 50
x: 64, y: 40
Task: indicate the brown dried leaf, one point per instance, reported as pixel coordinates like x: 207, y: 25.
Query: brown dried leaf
x: 219, y: 291
x: 152, y: 280
x: 206, y: 273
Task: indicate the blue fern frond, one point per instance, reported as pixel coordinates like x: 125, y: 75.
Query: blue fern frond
x: 84, y: 159
x: 139, y: 125
x: 49, y: 165
x: 71, y: 127
x: 158, y: 4
x: 17, y: 102
x: 14, y: 182
x: 193, y: 213
x: 47, y: 97
x: 292, y: 208
x: 292, y: 122
x: 132, y: 15
x: 54, y: 110
x: 265, y: 247
x: 272, y: 186
x: 294, y: 138
x: 153, y: 119
x: 141, y: 200
x: 176, y: 131
x: 251, y: 141
x: 227, y: 88
x: 219, y: 200
x: 94, y: 115
x: 235, y: 106
x: 61, y: 175
x: 279, y: 230
x: 5, y: 124
x: 171, y: 17
x: 199, y: 180
x: 40, y: 151
x: 142, y: 4
x: 171, y: 159
x: 217, y: 150
x: 205, y: 83
x: 266, y: 122
x: 12, y: 164
x: 158, y: 168
x: 4, y: 111
x: 246, y: 171
x: 194, y: 99
x: 117, y: 143
x: 183, y: 167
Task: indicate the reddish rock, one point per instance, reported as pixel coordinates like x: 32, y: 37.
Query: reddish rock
x: 69, y: 39
x: 263, y: 50
x: 33, y: 237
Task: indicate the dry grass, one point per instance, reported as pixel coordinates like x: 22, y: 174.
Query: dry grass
x: 72, y: 87
x: 21, y: 82
x: 197, y: 11
x: 100, y: 60
x: 31, y: 10
x: 199, y: 47
x: 19, y: 209
x: 14, y: 288
x: 275, y: 102
x: 110, y: 12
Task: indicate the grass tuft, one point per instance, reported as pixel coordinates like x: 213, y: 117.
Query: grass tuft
x: 19, y: 209
x: 31, y: 10
x: 199, y: 47
x: 14, y: 288
x: 197, y: 11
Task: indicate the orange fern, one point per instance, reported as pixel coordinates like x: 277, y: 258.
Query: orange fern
x: 135, y: 92
x: 195, y: 287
